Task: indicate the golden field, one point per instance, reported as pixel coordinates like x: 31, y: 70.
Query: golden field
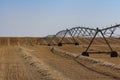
x: 28, y: 58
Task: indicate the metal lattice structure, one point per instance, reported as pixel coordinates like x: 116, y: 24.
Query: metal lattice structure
x: 82, y: 32
x: 77, y: 32
x: 105, y: 31
x: 72, y: 34
x: 110, y: 31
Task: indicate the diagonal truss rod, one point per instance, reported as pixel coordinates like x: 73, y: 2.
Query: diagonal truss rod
x: 115, y: 26
x: 99, y: 31
x: 111, y: 30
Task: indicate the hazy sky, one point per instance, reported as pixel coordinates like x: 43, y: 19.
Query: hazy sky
x: 47, y: 17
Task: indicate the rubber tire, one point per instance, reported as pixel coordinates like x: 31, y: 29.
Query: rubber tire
x: 49, y: 45
x: 76, y: 44
x: 114, y: 54
x: 85, y: 54
x: 59, y: 44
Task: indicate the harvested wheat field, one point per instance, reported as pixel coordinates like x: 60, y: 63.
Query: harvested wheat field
x: 42, y: 62
x: 59, y: 40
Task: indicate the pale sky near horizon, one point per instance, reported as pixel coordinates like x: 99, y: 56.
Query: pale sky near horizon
x: 20, y: 18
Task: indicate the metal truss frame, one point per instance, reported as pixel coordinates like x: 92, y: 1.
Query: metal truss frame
x: 77, y: 32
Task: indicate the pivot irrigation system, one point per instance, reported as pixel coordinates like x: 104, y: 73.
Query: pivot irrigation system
x: 78, y: 32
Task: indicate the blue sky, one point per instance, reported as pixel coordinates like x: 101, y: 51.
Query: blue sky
x: 47, y: 17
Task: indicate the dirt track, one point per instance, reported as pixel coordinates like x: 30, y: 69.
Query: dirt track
x: 66, y: 66
x: 14, y: 67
